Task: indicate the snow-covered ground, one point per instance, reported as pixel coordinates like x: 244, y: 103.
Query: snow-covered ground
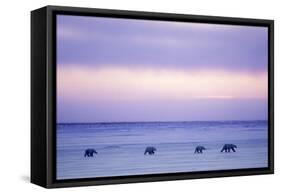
x: 121, y: 146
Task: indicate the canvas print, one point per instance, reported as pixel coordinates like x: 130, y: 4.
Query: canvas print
x: 140, y: 97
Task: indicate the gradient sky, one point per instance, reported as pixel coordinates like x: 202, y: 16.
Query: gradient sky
x: 112, y: 70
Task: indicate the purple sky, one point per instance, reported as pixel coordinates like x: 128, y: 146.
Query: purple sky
x: 119, y: 50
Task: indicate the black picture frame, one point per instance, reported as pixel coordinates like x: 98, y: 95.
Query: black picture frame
x: 43, y: 96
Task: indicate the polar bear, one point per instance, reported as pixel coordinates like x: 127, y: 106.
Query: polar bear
x: 150, y: 150
x: 199, y: 149
x: 228, y: 148
x: 90, y: 152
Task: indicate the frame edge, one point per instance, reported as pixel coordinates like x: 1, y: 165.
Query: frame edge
x: 51, y: 183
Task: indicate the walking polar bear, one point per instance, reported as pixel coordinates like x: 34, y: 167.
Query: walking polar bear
x: 90, y: 152
x: 150, y: 150
x: 199, y: 149
x: 228, y: 148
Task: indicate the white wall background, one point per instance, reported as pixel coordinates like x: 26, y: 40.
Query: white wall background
x: 15, y: 95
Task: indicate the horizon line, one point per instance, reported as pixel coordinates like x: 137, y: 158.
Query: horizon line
x: 62, y: 123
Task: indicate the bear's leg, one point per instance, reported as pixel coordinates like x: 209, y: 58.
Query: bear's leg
x: 233, y: 149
